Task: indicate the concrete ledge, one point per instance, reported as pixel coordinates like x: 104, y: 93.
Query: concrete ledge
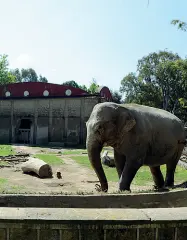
x: 94, y: 215
x: 142, y: 200
x: 93, y: 224
x: 73, y: 215
x: 77, y: 214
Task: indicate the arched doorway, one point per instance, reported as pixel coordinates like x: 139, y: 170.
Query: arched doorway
x: 25, y: 131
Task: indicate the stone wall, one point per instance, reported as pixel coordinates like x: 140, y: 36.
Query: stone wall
x: 93, y: 224
x: 53, y: 119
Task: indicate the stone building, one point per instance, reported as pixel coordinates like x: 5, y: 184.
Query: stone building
x: 44, y: 113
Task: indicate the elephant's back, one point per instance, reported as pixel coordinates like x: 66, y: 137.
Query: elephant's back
x: 158, y: 120
x: 151, y: 111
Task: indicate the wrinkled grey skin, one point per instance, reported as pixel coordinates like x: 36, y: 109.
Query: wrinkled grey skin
x: 140, y: 135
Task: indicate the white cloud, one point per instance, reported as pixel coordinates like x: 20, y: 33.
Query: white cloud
x: 53, y: 69
x: 23, y: 61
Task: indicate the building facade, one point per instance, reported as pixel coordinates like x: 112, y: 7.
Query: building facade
x: 44, y: 113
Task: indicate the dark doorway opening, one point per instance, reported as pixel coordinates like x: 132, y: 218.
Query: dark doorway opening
x: 25, y: 130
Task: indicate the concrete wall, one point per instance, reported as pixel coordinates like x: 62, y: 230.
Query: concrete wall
x: 53, y: 120
x: 93, y: 224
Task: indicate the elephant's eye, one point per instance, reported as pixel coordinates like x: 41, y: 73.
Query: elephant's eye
x: 99, y: 130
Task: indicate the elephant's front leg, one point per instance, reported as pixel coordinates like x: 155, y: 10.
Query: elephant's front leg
x: 129, y: 171
x: 119, y: 162
x: 157, y: 177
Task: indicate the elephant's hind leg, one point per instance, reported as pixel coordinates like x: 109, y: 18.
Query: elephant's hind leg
x: 157, y: 177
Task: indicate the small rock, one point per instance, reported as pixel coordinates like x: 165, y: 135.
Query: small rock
x: 58, y: 174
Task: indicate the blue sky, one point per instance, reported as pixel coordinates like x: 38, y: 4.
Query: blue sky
x: 84, y: 39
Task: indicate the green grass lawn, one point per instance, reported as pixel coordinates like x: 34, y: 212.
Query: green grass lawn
x: 143, y: 176
x: 82, y: 151
x: 74, y: 152
x: 50, y: 159
x: 6, y: 150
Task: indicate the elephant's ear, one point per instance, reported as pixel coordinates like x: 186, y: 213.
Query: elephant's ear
x: 129, y: 124
x: 126, y: 121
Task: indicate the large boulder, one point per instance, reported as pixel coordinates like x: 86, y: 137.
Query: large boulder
x: 107, y: 160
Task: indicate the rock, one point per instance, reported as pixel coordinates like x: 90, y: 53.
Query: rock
x: 58, y: 174
x: 106, y: 160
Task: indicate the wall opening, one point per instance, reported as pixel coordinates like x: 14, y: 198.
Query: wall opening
x: 25, y: 131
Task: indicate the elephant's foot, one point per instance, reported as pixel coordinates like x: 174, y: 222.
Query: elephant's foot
x: 124, y: 191
x: 169, y: 184
x: 161, y: 189
x: 99, y: 188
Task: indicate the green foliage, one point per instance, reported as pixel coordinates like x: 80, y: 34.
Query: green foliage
x: 142, y: 178
x: 180, y: 24
x: 27, y: 75
x: 6, y: 150
x: 71, y: 83
x: 42, y: 79
x: 5, y: 75
x: 74, y: 152
x: 161, y: 81
x: 74, y: 84
x: 116, y: 96
x: 50, y: 159
x: 93, y: 88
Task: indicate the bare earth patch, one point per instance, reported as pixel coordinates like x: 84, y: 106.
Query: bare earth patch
x: 75, y: 178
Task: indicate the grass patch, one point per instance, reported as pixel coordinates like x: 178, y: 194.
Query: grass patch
x: 6, y: 150
x: 74, y: 152
x: 143, y: 176
x: 6, y: 187
x: 111, y: 173
x: 3, y: 181
x: 82, y: 151
x: 50, y: 159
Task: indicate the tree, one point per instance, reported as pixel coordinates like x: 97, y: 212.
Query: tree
x: 75, y: 84
x: 138, y: 91
x: 42, y: 79
x: 116, y: 96
x: 5, y: 75
x: 149, y: 68
x: 161, y: 82
x: 27, y: 75
x: 17, y: 74
x: 71, y: 83
x: 93, y: 88
x: 180, y: 24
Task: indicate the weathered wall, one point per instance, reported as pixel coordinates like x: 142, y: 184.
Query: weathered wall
x: 5, y: 121
x: 93, y: 224
x: 53, y: 120
x: 5, y: 129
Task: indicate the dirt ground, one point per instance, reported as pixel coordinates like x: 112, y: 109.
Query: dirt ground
x: 75, y: 178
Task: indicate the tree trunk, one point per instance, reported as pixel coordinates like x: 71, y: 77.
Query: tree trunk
x: 42, y: 169
x: 174, y: 107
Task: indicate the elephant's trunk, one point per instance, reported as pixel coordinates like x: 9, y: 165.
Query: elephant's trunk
x: 94, y: 151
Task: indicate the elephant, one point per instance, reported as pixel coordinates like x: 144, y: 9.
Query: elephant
x: 140, y: 136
